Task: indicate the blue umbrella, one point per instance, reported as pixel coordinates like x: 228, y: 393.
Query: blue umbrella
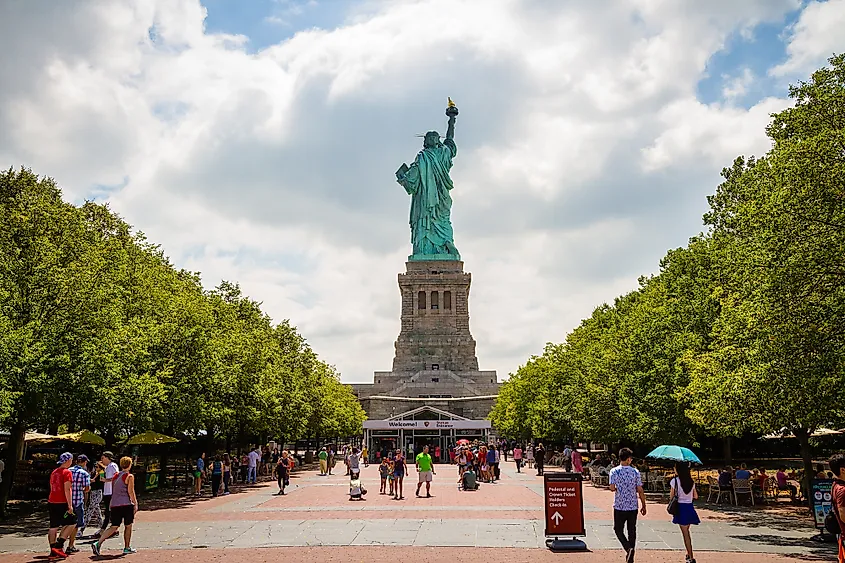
x: 674, y: 453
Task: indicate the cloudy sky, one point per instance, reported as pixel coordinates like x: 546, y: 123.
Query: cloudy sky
x: 257, y: 141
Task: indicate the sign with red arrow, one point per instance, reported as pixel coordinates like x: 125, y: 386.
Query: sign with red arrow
x: 564, y: 504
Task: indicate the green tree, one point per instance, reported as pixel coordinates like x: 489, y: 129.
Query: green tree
x: 780, y: 225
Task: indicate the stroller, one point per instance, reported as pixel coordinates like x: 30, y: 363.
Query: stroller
x: 356, y: 489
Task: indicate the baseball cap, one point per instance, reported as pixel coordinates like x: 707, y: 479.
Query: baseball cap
x: 81, y: 458
x: 109, y: 455
x: 67, y: 456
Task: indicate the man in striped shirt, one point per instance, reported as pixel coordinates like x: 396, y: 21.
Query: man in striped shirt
x: 80, y: 486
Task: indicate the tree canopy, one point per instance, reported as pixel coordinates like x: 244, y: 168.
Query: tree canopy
x: 98, y: 330
x: 741, y: 330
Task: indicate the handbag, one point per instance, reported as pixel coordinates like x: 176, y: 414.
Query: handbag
x: 672, y: 507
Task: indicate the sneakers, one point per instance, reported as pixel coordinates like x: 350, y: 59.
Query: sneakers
x: 128, y: 550
x: 95, y: 547
x: 57, y: 552
x: 72, y: 549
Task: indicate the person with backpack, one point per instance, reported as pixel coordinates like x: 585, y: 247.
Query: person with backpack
x: 837, y: 467
x: 682, y: 488
x: 282, y: 472
x: 216, y: 475
x: 567, y: 458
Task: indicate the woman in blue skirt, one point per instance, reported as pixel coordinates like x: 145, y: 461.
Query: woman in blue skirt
x: 684, y: 488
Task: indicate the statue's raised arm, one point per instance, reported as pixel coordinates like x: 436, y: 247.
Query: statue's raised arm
x: 452, y: 112
x: 428, y: 183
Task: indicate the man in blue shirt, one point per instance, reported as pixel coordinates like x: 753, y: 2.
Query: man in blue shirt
x: 742, y: 472
x: 627, y: 485
x: 199, y: 473
x: 491, y: 462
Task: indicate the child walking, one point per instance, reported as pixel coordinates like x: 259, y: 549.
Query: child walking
x: 383, y: 471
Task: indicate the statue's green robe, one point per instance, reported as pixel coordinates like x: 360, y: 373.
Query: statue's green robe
x: 427, y: 181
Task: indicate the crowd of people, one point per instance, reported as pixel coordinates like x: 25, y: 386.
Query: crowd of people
x: 225, y: 469
x: 763, y: 481
x: 82, y: 495
x: 101, y: 495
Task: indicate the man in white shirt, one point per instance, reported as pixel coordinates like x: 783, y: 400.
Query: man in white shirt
x: 252, y: 468
x: 111, y: 471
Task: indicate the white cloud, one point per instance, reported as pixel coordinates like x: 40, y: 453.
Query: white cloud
x: 578, y: 123
x: 736, y: 87
x: 716, y: 132
x: 816, y: 36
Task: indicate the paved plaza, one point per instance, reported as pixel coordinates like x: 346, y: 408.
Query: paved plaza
x: 506, y: 517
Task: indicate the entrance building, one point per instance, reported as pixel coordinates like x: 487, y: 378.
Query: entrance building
x: 423, y: 426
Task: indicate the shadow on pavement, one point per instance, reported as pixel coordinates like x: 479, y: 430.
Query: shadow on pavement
x: 818, y: 551
x: 782, y: 517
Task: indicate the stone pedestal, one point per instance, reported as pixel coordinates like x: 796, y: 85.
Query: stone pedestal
x: 435, y: 363
x: 435, y: 319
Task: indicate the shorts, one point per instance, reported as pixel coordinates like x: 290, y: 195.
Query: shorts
x: 425, y: 476
x: 197, y: 474
x: 398, y: 474
x: 122, y: 514
x: 59, y: 517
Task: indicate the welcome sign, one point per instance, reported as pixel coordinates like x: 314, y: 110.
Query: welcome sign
x: 426, y: 424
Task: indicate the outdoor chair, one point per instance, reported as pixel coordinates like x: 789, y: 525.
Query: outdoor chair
x: 717, y: 490
x: 656, y: 482
x: 743, y: 487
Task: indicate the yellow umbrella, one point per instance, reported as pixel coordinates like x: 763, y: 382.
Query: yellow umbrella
x: 81, y: 437
x: 150, y: 438
x: 32, y: 436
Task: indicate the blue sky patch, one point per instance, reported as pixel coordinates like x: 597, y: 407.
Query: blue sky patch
x: 765, y: 49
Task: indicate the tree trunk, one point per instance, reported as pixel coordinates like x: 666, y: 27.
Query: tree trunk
x: 209, y: 448
x: 110, y: 439
x: 726, y: 449
x: 14, y: 453
x: 803, y: 436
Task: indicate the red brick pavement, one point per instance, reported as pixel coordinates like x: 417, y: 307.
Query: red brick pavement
x: 383, y: 554
x: 329, y: 494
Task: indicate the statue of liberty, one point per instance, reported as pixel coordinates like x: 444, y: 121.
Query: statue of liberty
x: 428, y: 183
